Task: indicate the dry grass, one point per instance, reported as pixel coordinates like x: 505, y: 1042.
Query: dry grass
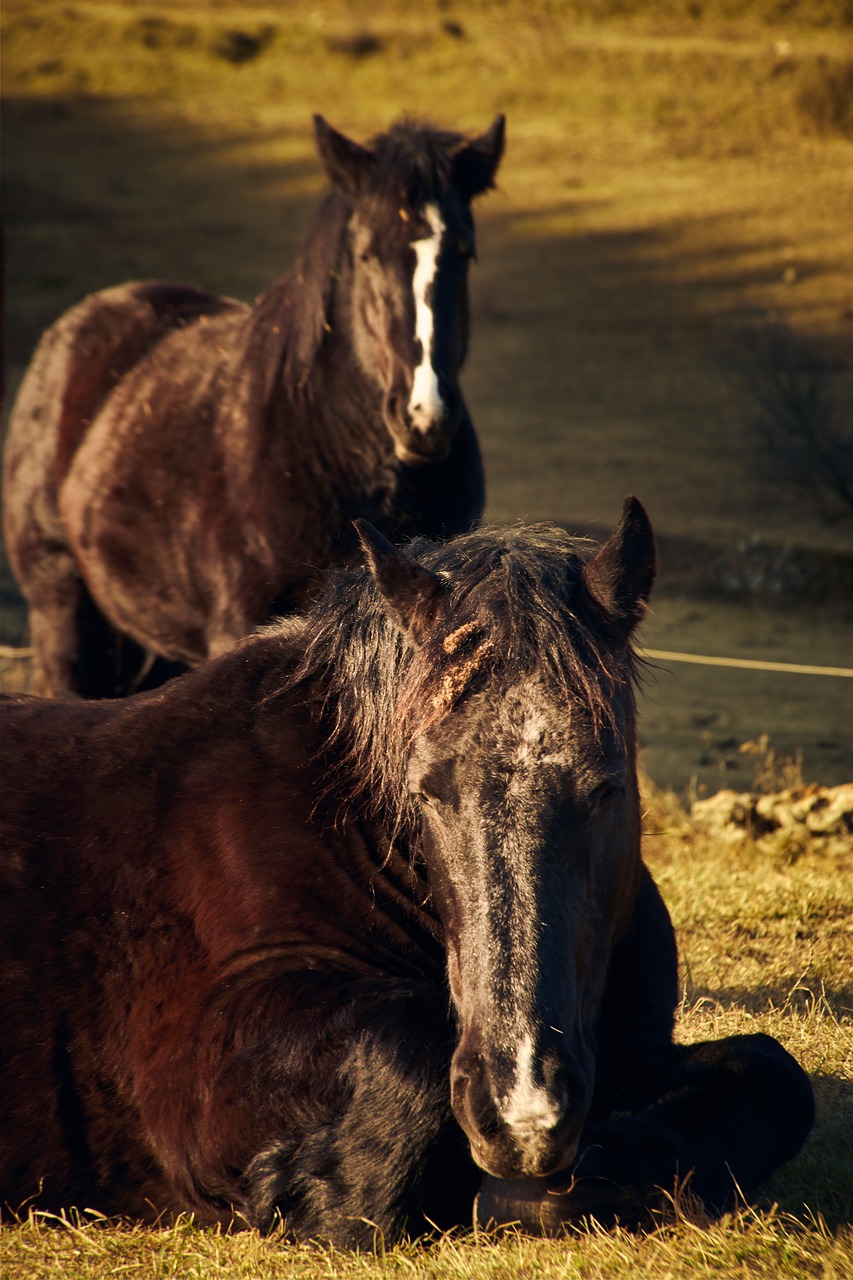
x: 746, y: 1245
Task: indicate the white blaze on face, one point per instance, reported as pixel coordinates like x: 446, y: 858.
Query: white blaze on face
x: 425, y: 402
x: 529, y: 1108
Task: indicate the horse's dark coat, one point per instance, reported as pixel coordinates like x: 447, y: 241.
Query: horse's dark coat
x: 179, y: 466
x: 233, y: 907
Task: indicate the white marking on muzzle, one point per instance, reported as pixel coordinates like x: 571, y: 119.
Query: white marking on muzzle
x: 425, y: 403
x: 528, y: 1110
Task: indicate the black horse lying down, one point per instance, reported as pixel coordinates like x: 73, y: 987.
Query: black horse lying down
x: 349, y: 917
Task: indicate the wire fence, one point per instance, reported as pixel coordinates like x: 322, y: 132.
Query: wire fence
x: 746, y: 664
x: 657, y: 655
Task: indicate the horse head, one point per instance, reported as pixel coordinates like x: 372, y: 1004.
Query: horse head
x: 409, y: 242
x: 521, y: 761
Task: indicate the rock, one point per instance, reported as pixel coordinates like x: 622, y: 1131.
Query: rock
x: 799, y: 817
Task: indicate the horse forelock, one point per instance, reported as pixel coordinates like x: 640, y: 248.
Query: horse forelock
x: 515, y: 610
x: 512, y: 610
x: 414, y: 164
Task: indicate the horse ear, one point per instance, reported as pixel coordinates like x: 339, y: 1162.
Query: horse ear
x: 476, y: 162
x: 620, y: 575
x: 411, y: 593
x: 347, y: 163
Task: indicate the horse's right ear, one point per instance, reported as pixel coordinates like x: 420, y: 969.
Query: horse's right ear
x: 620, y: 575
x: 476, y: 162
x: 347, y: 164
x: 411, y: 593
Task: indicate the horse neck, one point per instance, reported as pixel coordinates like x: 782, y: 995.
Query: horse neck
x: 300, y: 357
x: 381, y: 850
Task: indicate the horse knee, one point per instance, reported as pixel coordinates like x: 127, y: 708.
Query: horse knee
x: 744, y: 1106
x: 768, y: 1082
x: 385, y: 1156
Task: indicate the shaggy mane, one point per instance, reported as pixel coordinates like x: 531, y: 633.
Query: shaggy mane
x: 514, y: 608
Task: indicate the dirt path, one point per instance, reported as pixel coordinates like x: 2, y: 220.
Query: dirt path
x: 665, y: 190
x: 695, y: 719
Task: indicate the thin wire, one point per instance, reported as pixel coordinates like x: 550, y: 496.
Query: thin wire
x: 747, y: 664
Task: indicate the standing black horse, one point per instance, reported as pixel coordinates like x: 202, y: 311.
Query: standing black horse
x: 180, y: 466
x: 333, y: 925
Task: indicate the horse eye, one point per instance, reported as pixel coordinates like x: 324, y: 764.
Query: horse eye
x: 603, y: 794
x: 432, y: 798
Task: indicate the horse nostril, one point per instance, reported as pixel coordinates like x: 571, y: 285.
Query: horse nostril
x: 570, y: 1090
x: 471, y: 1095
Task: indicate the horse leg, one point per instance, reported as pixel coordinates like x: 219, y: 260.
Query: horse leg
x: 373, y: 1151
x: 77, y: 652
x: 738, y: 1107
x: 723, y: 1116
x: 57, y: 598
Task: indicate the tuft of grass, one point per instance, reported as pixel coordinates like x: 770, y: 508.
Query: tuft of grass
x: 774, y: 771
x: 747, y: 1244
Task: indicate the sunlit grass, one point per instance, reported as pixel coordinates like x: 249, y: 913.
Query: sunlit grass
x: 746, y: 1244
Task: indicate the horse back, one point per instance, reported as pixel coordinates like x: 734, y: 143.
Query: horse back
x: 82, y: 357
x: 161, y: 875
x: 78, y: 366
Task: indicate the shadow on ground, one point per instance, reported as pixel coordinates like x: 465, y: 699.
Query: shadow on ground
x: 595, y: 371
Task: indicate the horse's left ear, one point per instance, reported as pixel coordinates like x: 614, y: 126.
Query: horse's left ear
x: 347, y: 163
x: 476, y: 163
x: 620, y: 575
x: 411, y: 593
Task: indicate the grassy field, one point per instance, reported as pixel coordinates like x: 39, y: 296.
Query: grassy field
x: 678, y: 175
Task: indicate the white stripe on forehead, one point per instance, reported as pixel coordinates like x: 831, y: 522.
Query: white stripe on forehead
x: 425, y: 402
x: 532, y: 743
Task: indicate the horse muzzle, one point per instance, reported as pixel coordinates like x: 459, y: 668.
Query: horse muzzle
x: 520, y: 1130
x: 423, y: 434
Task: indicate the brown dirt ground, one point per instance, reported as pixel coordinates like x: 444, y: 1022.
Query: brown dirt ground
x: 605, y: 322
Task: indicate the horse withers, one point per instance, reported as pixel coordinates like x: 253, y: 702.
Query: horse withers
x: 180, y: 466
x: 353, y: 919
